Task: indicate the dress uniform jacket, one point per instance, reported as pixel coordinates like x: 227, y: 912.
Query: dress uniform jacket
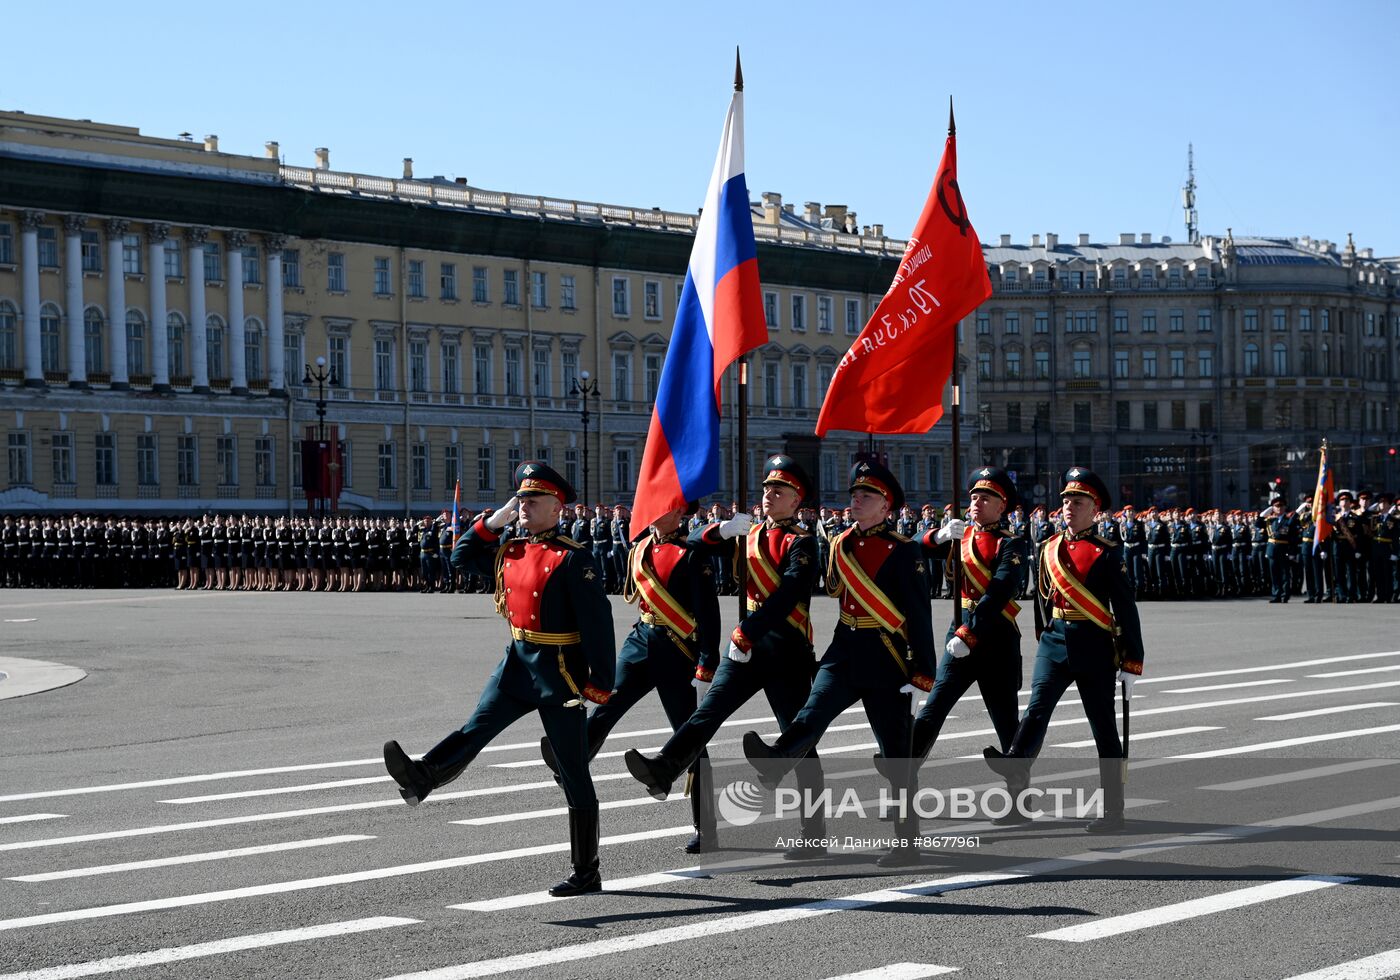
x: 551, y: 593
x: 782, y: 566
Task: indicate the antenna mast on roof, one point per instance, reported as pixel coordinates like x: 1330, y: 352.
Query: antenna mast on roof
x: 1188, y: 197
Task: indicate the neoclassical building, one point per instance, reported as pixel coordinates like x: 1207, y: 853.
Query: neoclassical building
x: 162, y: 301
x: 1191, y: 373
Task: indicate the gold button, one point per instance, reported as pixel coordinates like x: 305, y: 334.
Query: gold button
x: 507, y: 591
x: 535, y: 594
x: 532, y: 615
x: 546, y: 568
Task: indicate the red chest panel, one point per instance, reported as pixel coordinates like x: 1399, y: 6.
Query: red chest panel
x: 775, y: 542
x: 985, y: 546
x: 1078, y: 557
x: 527, y: 568
x: 870, y: 554
x: 662, y: 559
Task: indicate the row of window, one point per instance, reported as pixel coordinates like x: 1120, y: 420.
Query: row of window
x: 146, y: 459
x: 1151, y: 416
x: 1119, y: 275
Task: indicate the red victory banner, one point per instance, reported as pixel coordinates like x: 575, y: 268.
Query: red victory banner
x: 892, y: 378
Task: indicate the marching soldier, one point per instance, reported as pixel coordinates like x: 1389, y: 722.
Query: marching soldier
x: 771, y: 648
x: 983, y: 645
x: 673, y: 649
x: 561, y: 654
x: 1086, y: 604
x: 882, y: 648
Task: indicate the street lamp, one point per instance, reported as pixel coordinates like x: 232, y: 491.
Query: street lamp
x: 321, y: 376
x: 582, y: 389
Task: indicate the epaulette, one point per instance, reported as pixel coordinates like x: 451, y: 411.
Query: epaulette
x: 898, y: 537
x: 1105, y: 541
x: 568, y: 542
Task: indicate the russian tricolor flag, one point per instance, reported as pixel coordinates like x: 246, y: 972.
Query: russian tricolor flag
x: 718, y: 320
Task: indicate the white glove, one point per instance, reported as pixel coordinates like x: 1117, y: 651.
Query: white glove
x: 703, y: 687
x: 503, y: 514
x: 1395, y: 557
x: 953, y: 529
x: 737, y: 655
x: 957, y: 648
x: 737, y: 525
x: 910, y: 689
x: 1128, y: 679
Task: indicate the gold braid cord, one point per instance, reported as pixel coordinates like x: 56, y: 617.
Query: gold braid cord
x: 629, y: 585
x: 500, y: 582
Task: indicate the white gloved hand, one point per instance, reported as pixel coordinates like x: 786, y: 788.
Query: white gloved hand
x: 737, y: 525
x: 737, y: 655
x: 503, y: 514
x: 1395, y: 557
x: 1128, y: 679
x: 953, y: 529
x: 910, y: 689
x: 703, y: 687
x: 957, y: 648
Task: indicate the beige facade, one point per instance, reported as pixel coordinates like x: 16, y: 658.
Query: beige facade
x: 150, y: 361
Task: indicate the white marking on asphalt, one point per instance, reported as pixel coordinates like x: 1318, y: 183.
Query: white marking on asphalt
x: 724, y: 926
x: 1353, y: 673
x: 611, y: 885
x: 279, y: 790
x: 177, y: 954
x: 325, y: 881
x: 561, y: 811
x: 284, y: 815
x: 107, y: 869
x: 31, y: 620
x: 900, y: 971
x: 1378, y: 967
x: 1271, y: 668
x: 1226, y: 687
x: 1284, y: 743
x: 1194, y: 908
x: 178, y: 780
x: 1339, y: 709
x: 1141, y: 736
x: 1298, y: 775
x: 31, y: 817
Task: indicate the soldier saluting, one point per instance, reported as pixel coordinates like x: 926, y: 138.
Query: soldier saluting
x: 883, y: 644
x: 1086, y: 603
x: 771, y: 648
x: 561, y: 652
x: 673, y: 648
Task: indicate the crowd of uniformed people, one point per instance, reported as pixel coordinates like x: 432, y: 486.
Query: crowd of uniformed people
x: 1170, y: 553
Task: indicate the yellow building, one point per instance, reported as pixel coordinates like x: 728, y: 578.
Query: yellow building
x: 162, y: 302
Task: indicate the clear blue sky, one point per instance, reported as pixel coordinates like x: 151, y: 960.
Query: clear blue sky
x: 1071, y: 117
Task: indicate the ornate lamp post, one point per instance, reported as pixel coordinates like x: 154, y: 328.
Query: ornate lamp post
x: 582, y: 388
x: 322, y: 376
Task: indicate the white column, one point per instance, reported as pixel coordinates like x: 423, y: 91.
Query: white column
x: 276, y: 369
x: 116, y: 303
x: 29, y: 223
x: 73, y: 299
x: 238, y: 369
x: 199, y: 349
x: 156, y: 235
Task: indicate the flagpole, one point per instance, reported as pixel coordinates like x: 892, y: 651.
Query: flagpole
x: 742, y: 408
x: 956, y: 547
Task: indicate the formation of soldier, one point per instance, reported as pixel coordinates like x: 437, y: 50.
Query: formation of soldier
x: 1170, y: 553
x: 561, y: 654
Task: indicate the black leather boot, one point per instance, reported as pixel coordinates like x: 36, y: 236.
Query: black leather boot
x: 1111, y: 779
x: 656, y: 774
x: 702, y: 809
x: 904, y: 853
x: 809, y: 846
x: 1017, y: 773
x: 441, y: 764
x: 771, y: 765
x: 583, y: 853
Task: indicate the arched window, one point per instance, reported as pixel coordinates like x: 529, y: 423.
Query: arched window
x: 135, y: 343
x: 175, y: 341
x: 253, y: 349
x: 51, y: 337
x: 1251, y: 360
x: 214, y: 347
x: 1280, y: 360
x: 9, y: 337
x: 94, y: 341
x: 984, y: 365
